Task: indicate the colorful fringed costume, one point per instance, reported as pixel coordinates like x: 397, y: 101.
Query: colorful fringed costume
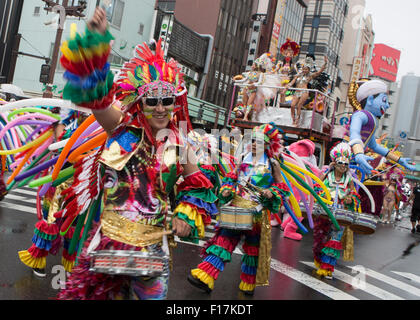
x: 47, y: 238
x: 392, y: 193
x: 218, y: 250
x: 328, y: 243
x: 135, y: 169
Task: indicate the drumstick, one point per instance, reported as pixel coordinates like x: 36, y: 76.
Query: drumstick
x: 382, y: 172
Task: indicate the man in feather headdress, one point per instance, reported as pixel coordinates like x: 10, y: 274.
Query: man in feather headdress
x: 133, y: 172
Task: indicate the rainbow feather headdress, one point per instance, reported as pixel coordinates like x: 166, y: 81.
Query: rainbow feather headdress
x: 272, y: 138
x: 341, y: 152
x: 146, y: 72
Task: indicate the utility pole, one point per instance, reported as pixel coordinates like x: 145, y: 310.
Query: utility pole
x: 64, y: 10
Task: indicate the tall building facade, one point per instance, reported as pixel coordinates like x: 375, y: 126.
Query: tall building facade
x: 282, y: 19
x: 323, y: 35
x: 291, y: 23
x: 408, y: 107
x: 229, y: 22
x: 406, y: 126
x: 285, y: 20
x: 10, y: 13
x: 356, y: 53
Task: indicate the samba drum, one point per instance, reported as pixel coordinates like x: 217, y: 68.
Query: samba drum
x: 344, y: 217
x: 130, y: 263
x: 364, y: 224
x: 239, y: 215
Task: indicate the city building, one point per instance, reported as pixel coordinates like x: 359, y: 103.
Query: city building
x: 130, y: 23
x: 288, y: 23
x: 229, y: 23
x: 9, y: 23
x: 406, y: 125
x: 323, y: 35
x: 356, y: 54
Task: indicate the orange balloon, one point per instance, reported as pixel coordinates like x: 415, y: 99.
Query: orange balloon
x: 89, y: 120
x: 21, y: 164
x: 88, y: 146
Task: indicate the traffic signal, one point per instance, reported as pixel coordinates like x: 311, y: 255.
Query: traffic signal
x: 45, y: 73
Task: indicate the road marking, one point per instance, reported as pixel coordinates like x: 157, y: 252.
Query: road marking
x: 408, y: 276
x: 29, y: 192
x: 398, y: 284
x: 310, y: 281
x: 371, y: 289
x: 20, y: 198
x: 18, y: 207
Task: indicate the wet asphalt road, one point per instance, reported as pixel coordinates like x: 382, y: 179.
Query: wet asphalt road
x: 291, y: 276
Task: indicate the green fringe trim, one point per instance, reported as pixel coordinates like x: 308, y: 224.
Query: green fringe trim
x: 45, y: 236
x: 251, y: 261
x: 273, y: 204
x: 89, y: 39
x: 78, y: 96
x: 219, y: 252
x: 229, y: 180
x: 193, y: 237
x: 203, y: 194
x: 331, y: 252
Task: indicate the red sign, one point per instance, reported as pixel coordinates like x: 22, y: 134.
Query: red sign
x: 276, y: 30
x: 385, y: 62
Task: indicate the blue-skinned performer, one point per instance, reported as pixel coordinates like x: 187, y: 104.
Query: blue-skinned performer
x: 371, y: 101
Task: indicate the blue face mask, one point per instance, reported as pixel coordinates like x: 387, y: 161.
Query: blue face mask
x: 377, y: 106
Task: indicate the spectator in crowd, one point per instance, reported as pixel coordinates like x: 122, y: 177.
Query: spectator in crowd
x: 415, y: 211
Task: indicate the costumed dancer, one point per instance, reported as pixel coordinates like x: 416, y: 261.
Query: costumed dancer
x: 285, y: 68
x: 207, y: 154
x: 370, y: 102
x: 47, y: 239
x: 237, y: 190
x: 302, y: 80
x: 25, y: 151
x: 327, y: 242
x: 253, y: 97
x: 135, y: 169
x: 393, y: 193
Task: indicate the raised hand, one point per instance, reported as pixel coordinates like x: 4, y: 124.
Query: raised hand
x: 267, y: 194
x: 405, y: 163
x: 362, y: 160
x: 99, y: 21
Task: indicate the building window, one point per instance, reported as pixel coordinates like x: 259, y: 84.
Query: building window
x: 37, y: 11
x: 219, y: 22
x: 114, y: 12
x: 315, y: 22
x: 141, y: 29
x: 311, y: 48
x: 115, y: 60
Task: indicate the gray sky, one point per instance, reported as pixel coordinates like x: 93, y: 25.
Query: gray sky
x: 397, y: 24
